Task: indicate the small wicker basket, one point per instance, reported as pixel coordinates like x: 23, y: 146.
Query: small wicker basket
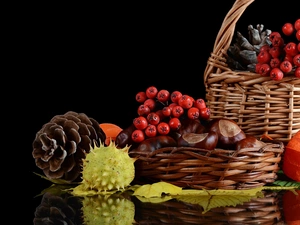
x: 258, y: 104
x: 196, y: 168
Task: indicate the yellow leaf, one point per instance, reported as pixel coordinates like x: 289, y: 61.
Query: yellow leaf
x: 157, y: 189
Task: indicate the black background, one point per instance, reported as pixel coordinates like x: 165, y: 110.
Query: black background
x: 95, y: 59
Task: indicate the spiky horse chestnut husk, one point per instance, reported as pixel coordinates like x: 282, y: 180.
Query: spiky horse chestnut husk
x: 106, y: 168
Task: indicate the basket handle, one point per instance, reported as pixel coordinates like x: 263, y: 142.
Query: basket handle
x: 226, y: 32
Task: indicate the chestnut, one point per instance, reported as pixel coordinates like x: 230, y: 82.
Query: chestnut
x: 229, y: 132
x: 191, y: 126
x: 203, y: 140
x: 249, y: 142
x: 188, y: 126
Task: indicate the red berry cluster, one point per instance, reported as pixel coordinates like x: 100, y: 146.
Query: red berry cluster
x: 280, y: 58
x: 160, y: 112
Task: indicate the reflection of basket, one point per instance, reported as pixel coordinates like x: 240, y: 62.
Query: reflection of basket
x: 264, y: 210
x: 210, y: 169
x: 258, y: 104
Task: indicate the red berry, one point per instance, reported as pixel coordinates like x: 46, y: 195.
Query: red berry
x: 273, y: 35
x: 151, y: 92
x: 296, y: 60
x: 150, y: 102
x: 288, y: 29
x: 199, y: 103
x: 275, y: 62
x: 264, y: 69
x: 297, y: 72
x: 141, y: 96
x: 151, y: 130
x: 291, y: 49
x: 297, y: 24
x: 174, y: 123
x: 298, y: 35
x: 205, y: 113
x: 160, y: 114
x: 286, y: 66
x: 257, y: 67
x: 186, y: 101
x: 153, y: 118
x: 175, y: 95
x: 277, y: 41
x: 172, y: 105
x: 163, y: 95
x: 163, y: 128
x: 275, y: 51
x: 265, y: 47
x: 289, y: 58
x: 298, y: 47
x: 140, y: 122
x: 193, y: 113
x: 177, y: 111
x: 276, y: 74
x: 137, y: 136
x: 264, y: 57
x: 143, y: 110
x: 166, y: 111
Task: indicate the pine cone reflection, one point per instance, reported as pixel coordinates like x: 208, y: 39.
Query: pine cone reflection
x: 61, y: 144
x: 55, y: 209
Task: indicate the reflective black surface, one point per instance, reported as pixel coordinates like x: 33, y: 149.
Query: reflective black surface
x: 55, y: 206
x: 95, y: 63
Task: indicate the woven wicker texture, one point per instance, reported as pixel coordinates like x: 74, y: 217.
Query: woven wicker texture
x: 258, y: 104
x: 197, y: 168
x: 265, y: 210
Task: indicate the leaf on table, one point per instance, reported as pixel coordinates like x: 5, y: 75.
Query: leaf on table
x: 157, y: 189
x: 209, y: 199
x: 213, y: 201
x: 284, y: 183
x: 55, y: 189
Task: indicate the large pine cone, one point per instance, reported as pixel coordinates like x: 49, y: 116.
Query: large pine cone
x: 62, y: 143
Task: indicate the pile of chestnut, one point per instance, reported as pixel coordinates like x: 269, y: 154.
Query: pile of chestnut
x: 220, y: 133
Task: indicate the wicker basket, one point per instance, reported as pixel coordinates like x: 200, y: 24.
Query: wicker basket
x: 197, y: 168
x: 258, y: 104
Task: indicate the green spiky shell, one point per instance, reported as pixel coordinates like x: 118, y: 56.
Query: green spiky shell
x: 107, y: 209
x: 107, y: 168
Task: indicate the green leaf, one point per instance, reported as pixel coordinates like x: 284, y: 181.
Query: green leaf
x: 213, y: 201
x: 284, y: 183
x: 56, y: 189
x: 209, y: 199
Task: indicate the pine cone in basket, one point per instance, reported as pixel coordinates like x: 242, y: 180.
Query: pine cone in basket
x: 242, y: 54
x: 62, y: 143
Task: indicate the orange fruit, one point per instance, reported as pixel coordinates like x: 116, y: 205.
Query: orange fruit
x: 111, y: 131
x: 291, y: 158
x: 291, y: 207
